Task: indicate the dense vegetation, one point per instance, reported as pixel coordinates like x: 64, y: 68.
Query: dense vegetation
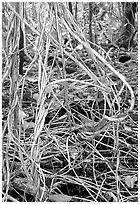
x: 69, y: 102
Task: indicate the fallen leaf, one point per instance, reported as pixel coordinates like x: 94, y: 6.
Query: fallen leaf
x: 36, y: 96
x: 130, y: 181
x: 32, y: 79
x: 110, y: 195
x: 127, y: 128
x: 22, y: 114
x: 60, y: 198
x: 79, y: 47
x: 28, y: 125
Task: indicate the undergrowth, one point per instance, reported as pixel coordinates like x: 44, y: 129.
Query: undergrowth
x: 70, y: 122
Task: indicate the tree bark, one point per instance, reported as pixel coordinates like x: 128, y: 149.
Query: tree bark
x: 129, y: 11
x: 76, y: 10
x: 90, y: 23
x: 70, y: 7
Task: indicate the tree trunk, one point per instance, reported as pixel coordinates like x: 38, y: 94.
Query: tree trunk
x: 90, y: 24
x: 76, y: 10
x: 70, y: 7
x: 129, y: 10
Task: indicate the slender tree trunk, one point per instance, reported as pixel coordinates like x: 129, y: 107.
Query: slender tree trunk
x: 90, y: 23
x: 76, y: 10
x: 70, y: 7
x: 129, y: 10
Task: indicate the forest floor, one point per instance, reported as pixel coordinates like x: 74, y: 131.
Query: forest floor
x: 73, y: 169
